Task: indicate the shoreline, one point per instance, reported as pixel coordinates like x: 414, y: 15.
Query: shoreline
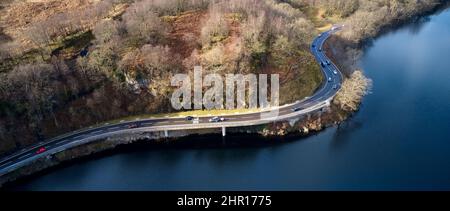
x: 313, y: 124
x: 262, y: 136
x: 362, y: 44
x: 190, y: 142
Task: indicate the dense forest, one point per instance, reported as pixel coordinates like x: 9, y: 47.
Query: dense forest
x: 66, y: 64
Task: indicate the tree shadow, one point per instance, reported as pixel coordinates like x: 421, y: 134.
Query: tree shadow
x: 342, y: 134
x: 4, y: 38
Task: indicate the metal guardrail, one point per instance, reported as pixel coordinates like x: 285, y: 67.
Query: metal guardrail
x: 92, y: 138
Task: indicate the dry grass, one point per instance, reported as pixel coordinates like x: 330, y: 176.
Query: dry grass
x: 19, y: 14
x: 185, y: 31
x: 320, y: 19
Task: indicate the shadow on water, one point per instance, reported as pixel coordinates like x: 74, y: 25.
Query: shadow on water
x: 341, y: 135
x: 306, y: 162
x: 416, y: 26
x: 413, y: 26
x: 198, y: 144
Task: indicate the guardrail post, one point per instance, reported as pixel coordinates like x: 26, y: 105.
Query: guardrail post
x: 223, y: 131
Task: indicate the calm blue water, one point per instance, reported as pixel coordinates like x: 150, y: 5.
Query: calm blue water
x: 399, y: 140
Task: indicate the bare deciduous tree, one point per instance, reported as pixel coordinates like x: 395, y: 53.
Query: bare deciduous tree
x: 353, y: 89
x: 144, y: 24
x: 32, y: 87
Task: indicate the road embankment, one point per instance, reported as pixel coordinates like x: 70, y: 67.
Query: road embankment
x: 301, y: 126
x: 265, y: 134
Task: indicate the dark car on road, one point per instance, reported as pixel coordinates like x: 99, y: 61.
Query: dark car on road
x: 131, y: 126
x: 296, y: 109
x: 189, y: 118
x: 217, y: 119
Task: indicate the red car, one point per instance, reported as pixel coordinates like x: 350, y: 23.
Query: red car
x: 40, y: 150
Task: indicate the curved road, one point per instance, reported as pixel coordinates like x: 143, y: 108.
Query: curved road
x: 320, y: 99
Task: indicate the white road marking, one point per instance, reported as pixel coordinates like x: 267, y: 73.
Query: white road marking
x: 248, y: 117
x: 77, y: 137
x: 312, y: 106
x: 97, y: 132
x: 5, y: 164
x: 24, y: 156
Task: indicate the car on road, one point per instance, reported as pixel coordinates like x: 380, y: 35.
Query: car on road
x: 296, y: 109
x: 131, y: 126
x: 320, y: 49
x: 320, y: 35
x: 328, y: 62
x: 335, y: 72
x: 313, y: 45
x: 217, y: 119
x: 196, y: 120
x: 41, y: 150
x: 322, y: 64
x: 330, y: 79
x: 189, y: 118
x: 336, y: 86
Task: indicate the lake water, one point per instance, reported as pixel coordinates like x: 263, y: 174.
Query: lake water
x: 399, y: 140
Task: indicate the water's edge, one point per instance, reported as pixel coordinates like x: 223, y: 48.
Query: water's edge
x: 104, y: 148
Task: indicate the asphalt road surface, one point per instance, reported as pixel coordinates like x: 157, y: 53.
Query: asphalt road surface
x: 319, y: 100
